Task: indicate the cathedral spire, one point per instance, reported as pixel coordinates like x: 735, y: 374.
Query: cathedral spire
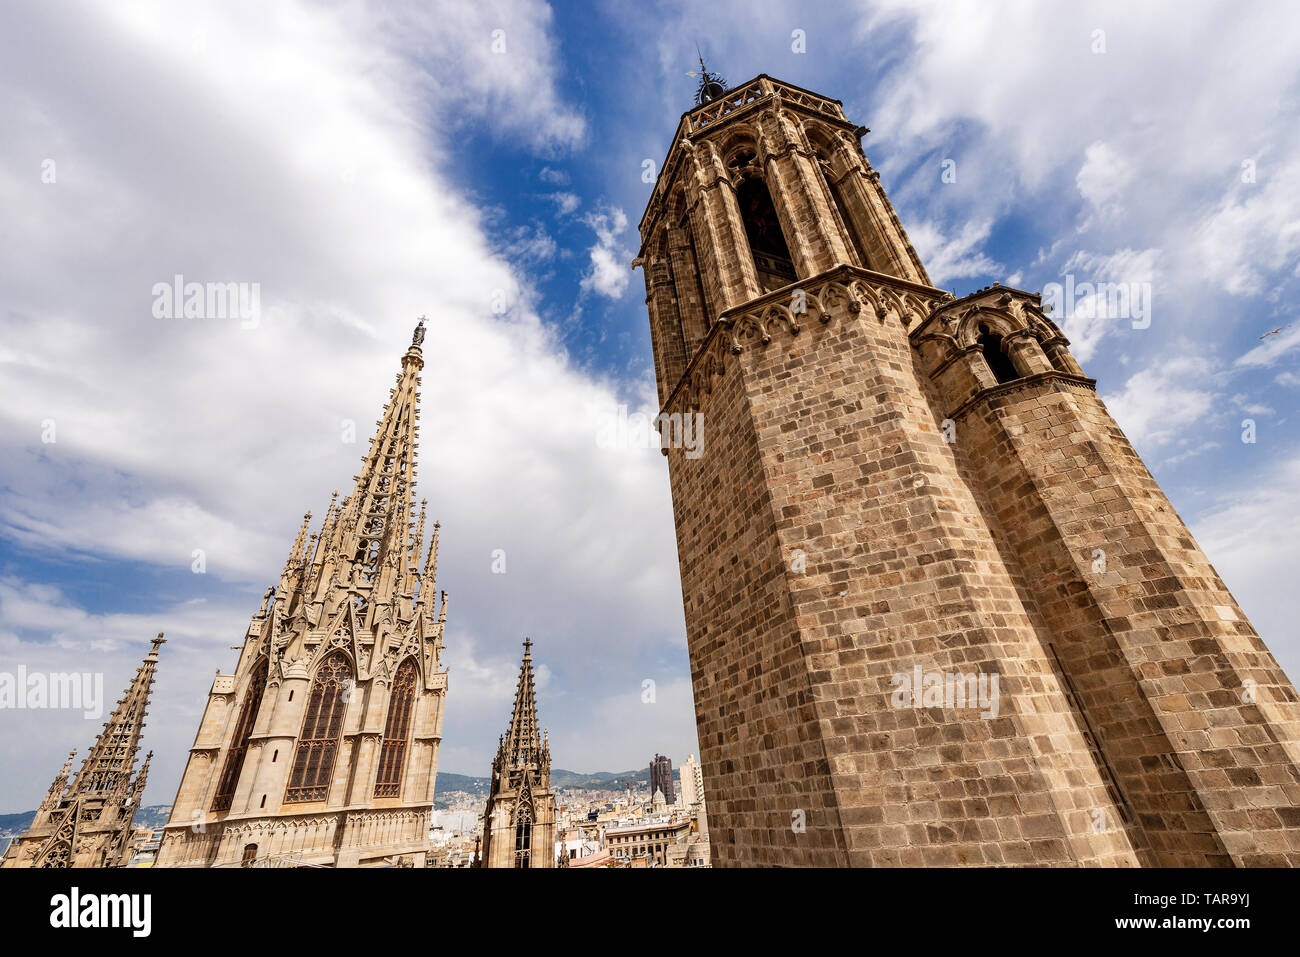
x: 377, y: 520
x: 523, y: 747
x: 108, y: 765
x: 60, y: 783
x: 299, y: 544
x: 89, y: 823
x: 428, y: 598
x: 711, y: 85
x: 141, y: 778
x: 519, y: 820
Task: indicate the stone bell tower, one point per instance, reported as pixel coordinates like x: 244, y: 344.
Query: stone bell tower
x: 938, y: 610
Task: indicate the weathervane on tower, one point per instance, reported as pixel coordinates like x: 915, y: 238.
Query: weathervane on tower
x: 712, y: 85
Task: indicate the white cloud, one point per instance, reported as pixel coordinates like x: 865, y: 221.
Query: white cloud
x: 955, y: 257
x: 1104, y: 176
x: 1253, y: 233
x: 609, y: 272
x: 1250, y: 536
x: 528, y: 247
x: 1160, y: 404
x: 1109, y: 291
x: 1273, y: 348
x: 565, y: 203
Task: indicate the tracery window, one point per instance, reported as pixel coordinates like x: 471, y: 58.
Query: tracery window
x: 239, y: 743
x: 762, y: 225
x: 58, y: 856
x: 322, y: 729
x: 397, y: 730
x: 523, y: 835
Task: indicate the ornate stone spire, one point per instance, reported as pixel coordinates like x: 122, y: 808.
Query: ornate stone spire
x: 519, y: 821
x: 372, y: 530
x: 60, y: 783
x: 108, y: 765
x: 523, y: 744
x: 89, y: 823
x: 142, y: 778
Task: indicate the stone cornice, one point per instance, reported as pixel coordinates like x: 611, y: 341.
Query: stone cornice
x: 850, y: 286
x: 1016, y: 385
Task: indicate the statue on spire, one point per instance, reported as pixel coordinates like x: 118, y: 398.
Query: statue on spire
x: 418, y: 336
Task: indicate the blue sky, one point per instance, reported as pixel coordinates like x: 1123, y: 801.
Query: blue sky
x: 366, y: 166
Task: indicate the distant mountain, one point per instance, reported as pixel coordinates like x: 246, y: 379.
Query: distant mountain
x: 608, y: 780
x: 560, y: 778
x: 460, y: 782
x: 154, y: 815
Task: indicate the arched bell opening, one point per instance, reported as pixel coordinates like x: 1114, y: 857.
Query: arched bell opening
x: 767, y: 241
x: 993, y: 348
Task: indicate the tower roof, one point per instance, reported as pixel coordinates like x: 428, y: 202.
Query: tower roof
x: 371, y: 541
x: 523, y: 744
x: 108, y: 765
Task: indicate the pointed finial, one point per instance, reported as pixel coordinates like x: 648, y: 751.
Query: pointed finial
x: 431, y: 560
x: 711, y: 85
x: 528, y: 646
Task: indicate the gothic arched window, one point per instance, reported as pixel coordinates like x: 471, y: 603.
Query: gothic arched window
x: 762, y: 225
x: 60, y: 855
x: 995, y: 355
x: 239, y: 743
x: 322, y: 728
x: 250, y: 855
x: 397, y: 730
x: 523, y: 835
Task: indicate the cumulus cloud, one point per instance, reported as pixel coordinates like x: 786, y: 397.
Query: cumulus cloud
x: 1242, y: 532
x: 1274, y: 347
x: 1104, y: 176
x: 1159, y: 404
x: 1103, y: 293
x: 609, y: 272
x: 953, y: 257
x: 565, y: 203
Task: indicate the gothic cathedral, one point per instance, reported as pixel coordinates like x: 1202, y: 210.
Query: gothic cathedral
x: 896, y: 484
x: 89, y: 824
x: 519, y: 820
x: 322, y: 747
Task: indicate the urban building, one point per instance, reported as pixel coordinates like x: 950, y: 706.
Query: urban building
x: 661, y: 778
x: 692, y: 782
x: 650, y: 840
